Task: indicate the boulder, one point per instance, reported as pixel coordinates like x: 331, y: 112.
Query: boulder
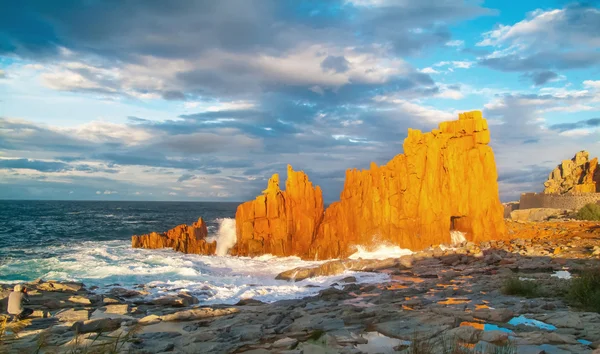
x: 72, y: 315
x: 120, y: 309
x: 97, y: 325
x: 494, y: 315
x: 149, y: 320
x: 82, y: 300
x: 59, y: 286
x: 180, y: 300
x: 122, y: 292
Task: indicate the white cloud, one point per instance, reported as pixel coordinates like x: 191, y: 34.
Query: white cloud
x: 455, y: 43
x: 545, y: 29
x: 108, y: 192
x: 430, y: 114
x: 102, y: 131
x: 465, y: 64
x: 578, y: 132
x: 429, y: 70
x: 592, y: 84
x: 538, y: 22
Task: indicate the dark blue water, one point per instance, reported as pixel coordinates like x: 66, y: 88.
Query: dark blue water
x: 91, y: 242
x: 54, y: 223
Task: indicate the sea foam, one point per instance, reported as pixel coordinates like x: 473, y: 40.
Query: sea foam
x: 213, y: 279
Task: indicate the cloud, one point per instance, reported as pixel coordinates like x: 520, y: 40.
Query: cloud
x: 337, y: 64
x: 2, y: 74
x: 541, y: 77
x: 566, y: 127
x: 42, y: 166
x: 455, y: 43
x: 547, y: 40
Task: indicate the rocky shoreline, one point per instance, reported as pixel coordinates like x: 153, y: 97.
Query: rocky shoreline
x: 434, y: 299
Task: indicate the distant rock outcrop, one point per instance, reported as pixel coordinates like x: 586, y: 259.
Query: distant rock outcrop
x: 578, y: 175
x: 182, y: 238
x: 446, y: 180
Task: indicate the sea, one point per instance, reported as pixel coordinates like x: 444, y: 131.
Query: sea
x: 90, y: 242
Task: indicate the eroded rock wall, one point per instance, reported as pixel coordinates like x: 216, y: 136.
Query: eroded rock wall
x: 446, y: 179
x: 279, y: 222
x: 182, y: 238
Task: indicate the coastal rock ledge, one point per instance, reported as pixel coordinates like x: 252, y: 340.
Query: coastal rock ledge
x: 445, y: 181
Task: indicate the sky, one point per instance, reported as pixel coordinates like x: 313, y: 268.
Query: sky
x: 204, y: 100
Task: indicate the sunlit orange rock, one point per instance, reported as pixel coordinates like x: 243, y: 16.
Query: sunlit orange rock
x: 280, y: 223
x: 445, y: 180
x: 578, y: 175
x: 182, y: 238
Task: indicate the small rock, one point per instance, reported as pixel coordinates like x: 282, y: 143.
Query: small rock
x: 110, y: 300
x: 496, y: 315
x: 97, y: 325
x: 494, y: 336
x: 348, y: 280
x: 56, y: 286
x: 466, y: 333
x: 246, y: 302
x: 286, y: 343
x: 72, y: 315
x: 195, y: 314
x: 120, y: 309
x: 80, y: 300
x: 149, y: 320
x: 122, y: 292
x: 181, y: 300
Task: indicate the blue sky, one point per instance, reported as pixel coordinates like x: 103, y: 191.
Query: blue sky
x: 204, y: 100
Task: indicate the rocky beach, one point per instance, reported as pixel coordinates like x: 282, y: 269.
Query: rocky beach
x: 444, y: 299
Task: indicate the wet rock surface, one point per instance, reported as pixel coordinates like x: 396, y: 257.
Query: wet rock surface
x: 437, y: 296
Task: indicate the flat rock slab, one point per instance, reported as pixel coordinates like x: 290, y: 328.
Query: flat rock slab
x: 121, y: 309
x: 72, y: 315
x: 195, y: 314
x: 54, y: 286
x: 97, y: 325
x: 409, y: 330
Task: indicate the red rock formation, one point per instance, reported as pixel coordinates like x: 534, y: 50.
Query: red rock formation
x: 277, y: 222
x: 182, y: 238
x: 445, y: 180
x: 578, y: 175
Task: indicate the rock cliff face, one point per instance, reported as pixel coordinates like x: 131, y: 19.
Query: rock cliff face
x: 279, y: 222
x: 578, y: 175
x: 182, y: 238
x: 446, y: 180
